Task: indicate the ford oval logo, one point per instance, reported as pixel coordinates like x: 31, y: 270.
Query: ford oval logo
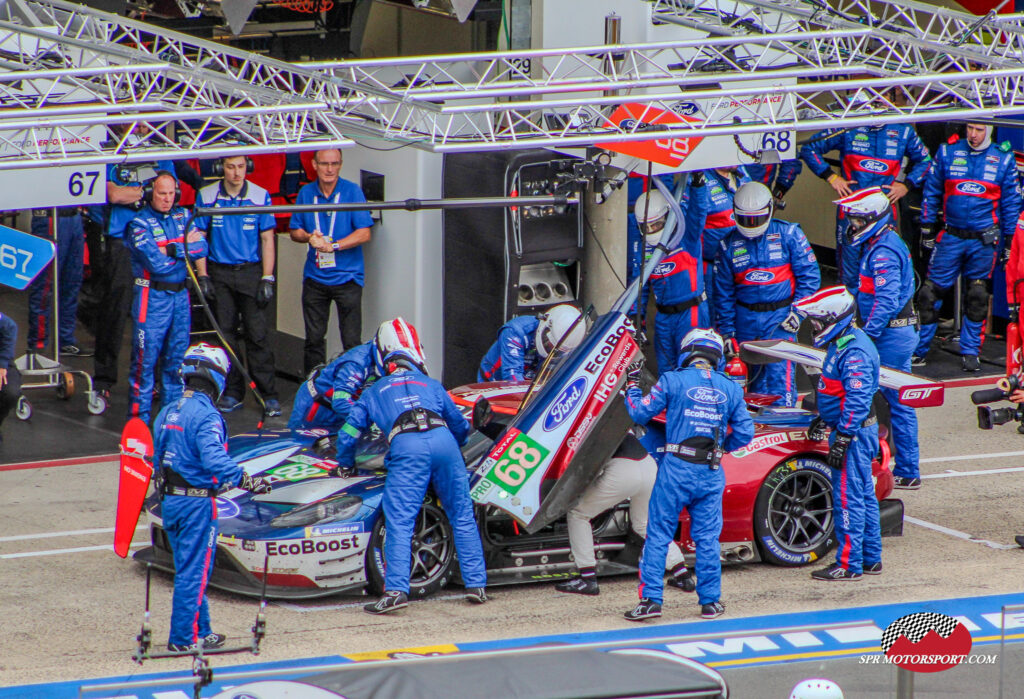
x: 874, y: 165
x: 687, y: 108
x: 759, y: 276
x: 663, y: 269
x: 705, y: 394
x: 565, y: 404
x: 971, y: 188
x: 227, y: 509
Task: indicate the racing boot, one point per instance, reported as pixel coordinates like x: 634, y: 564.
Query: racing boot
x: 1019, y: 540
x: 682, y: 578
x: 835, y: 573
x: 212, y: 641
x: 644, y: 609
x: 476, y: 595
x: 391, y: 601
x: 712, y: 610
x: 971, y: 362
x: 903, y: 483
x: 580, y: 585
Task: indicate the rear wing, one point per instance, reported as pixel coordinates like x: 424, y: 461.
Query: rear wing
x: 914, y: 391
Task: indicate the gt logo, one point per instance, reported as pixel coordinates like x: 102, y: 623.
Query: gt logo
x: 970, y: 188
x: 922, y: 396
x: 874, y: 165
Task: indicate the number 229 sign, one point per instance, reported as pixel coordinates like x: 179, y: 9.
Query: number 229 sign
x: 22, y: 257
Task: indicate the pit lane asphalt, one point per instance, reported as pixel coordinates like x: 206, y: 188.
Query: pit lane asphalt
x: 70, y: 609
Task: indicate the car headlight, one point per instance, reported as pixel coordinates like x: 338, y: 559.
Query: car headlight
x: 330, y: 510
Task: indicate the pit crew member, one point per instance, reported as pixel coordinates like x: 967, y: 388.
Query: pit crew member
x: 10, y: 378
x: 761, y: 268
x: 192, y: 466
x: 871, y: 156
x: 524, y: 343
x: 157, y: 241
x: 424, y: 430
x: 885, y: 307
x: 706, y: 415
x: 241, y: 267
x: 848, y: 382
x: 975, y: 182
x: 70, y: 241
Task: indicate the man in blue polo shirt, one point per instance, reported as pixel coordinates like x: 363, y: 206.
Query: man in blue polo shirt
x: 124, y: 194
x: 241, y: 267
x: 334, y: 263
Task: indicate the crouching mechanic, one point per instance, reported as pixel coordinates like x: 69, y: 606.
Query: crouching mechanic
x: 885, y: 306
x: 761, y: 268
x: 848, y: 382
x: 629, y: 474
x: 327, y: 395
x: 706, y: 416
x: 192, y: 466
x: 424, y: 430
x: 524, y: 343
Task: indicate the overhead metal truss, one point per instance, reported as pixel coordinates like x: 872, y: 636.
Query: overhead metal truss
x: 72, y: 70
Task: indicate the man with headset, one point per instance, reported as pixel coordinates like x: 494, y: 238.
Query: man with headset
x: 241, y: 266
x: 161, y: 313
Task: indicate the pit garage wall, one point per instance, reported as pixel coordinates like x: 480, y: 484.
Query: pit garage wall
x: 403, y: 260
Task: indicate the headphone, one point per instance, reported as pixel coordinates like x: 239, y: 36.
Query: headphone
x: 147, y: 188
x: 217, y: 168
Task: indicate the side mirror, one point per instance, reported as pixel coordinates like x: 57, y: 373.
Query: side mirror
x: 482, y: 414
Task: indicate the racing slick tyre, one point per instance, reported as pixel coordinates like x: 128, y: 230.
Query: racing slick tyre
x: 433, y: 553
x: 793, y: 513
x: 23, y: 410
x: 66, y: 385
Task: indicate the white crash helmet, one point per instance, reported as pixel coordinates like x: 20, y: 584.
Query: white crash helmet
x: 753, y: 206
x: 866, y: 211
x: 393, y: 335
x: 830, y: 312
x: 816, y: 688
x: 207, y: 362
x: 701, y: 342
x: 651, y: 210
x: 559, y: 323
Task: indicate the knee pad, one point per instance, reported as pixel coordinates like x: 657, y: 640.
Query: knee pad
x: 927, y: 297
x: 976, y: 305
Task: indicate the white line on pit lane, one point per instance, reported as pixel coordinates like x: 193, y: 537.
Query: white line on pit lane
x: 74, y: 532
x: 958, y: 534
x: 988, y: 472
x: 55, y: 552
x: 968, y: 457
x: 291, y: 606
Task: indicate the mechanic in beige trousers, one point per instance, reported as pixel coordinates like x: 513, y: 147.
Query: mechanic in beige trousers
x: 628, y: 474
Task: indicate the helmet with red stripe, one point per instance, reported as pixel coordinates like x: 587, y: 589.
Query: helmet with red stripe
x: 830, y: 312
x: 867, y: 212
x: 394, y: 335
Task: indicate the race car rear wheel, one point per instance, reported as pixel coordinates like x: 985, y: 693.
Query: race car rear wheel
x: 433, y: 553
x: 793, y: 513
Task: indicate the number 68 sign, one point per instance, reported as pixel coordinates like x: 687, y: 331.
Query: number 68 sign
x: 22, y: 257
x: 514, y: 466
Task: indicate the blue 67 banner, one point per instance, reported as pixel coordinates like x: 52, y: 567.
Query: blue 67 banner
x: 22, y: 257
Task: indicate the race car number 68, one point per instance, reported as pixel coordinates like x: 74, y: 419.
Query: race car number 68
x: 517, y: 463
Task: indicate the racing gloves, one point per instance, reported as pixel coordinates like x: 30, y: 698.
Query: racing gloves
x: 633, y: 373
x: 206, y: 287
x: 816, y: 430
x: 837, y: 452
x: 340, y: 471
x: 927, y: 236
x: 265, y: 292
x: 254, y: 484
x: 792, y: 322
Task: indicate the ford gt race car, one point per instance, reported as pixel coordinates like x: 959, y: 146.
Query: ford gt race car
x: 320, y: 535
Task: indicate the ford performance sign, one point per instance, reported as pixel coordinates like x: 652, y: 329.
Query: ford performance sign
x: 565, y: 404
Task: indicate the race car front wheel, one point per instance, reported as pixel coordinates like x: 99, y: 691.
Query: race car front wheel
x: 793, y: 513
x: 433, y: 553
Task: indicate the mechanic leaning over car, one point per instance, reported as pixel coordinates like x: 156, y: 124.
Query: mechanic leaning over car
x: 629, y: 474
x: 424, y: 430
x: 885, y: 309
x: 525, y: 342
x: 977, y: 184
x: 677, y: 282
x: 871, y: 156
x: 761, y: 268
x: 846, y: 387
x: 192, y: 465
x: 162, y: 319
x: 327, y: 395
x: 706, y: 416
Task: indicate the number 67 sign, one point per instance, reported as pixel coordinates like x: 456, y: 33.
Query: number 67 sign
x: 22, y: 257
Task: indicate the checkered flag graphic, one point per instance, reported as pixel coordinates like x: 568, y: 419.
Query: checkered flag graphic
x: 916, y: 626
